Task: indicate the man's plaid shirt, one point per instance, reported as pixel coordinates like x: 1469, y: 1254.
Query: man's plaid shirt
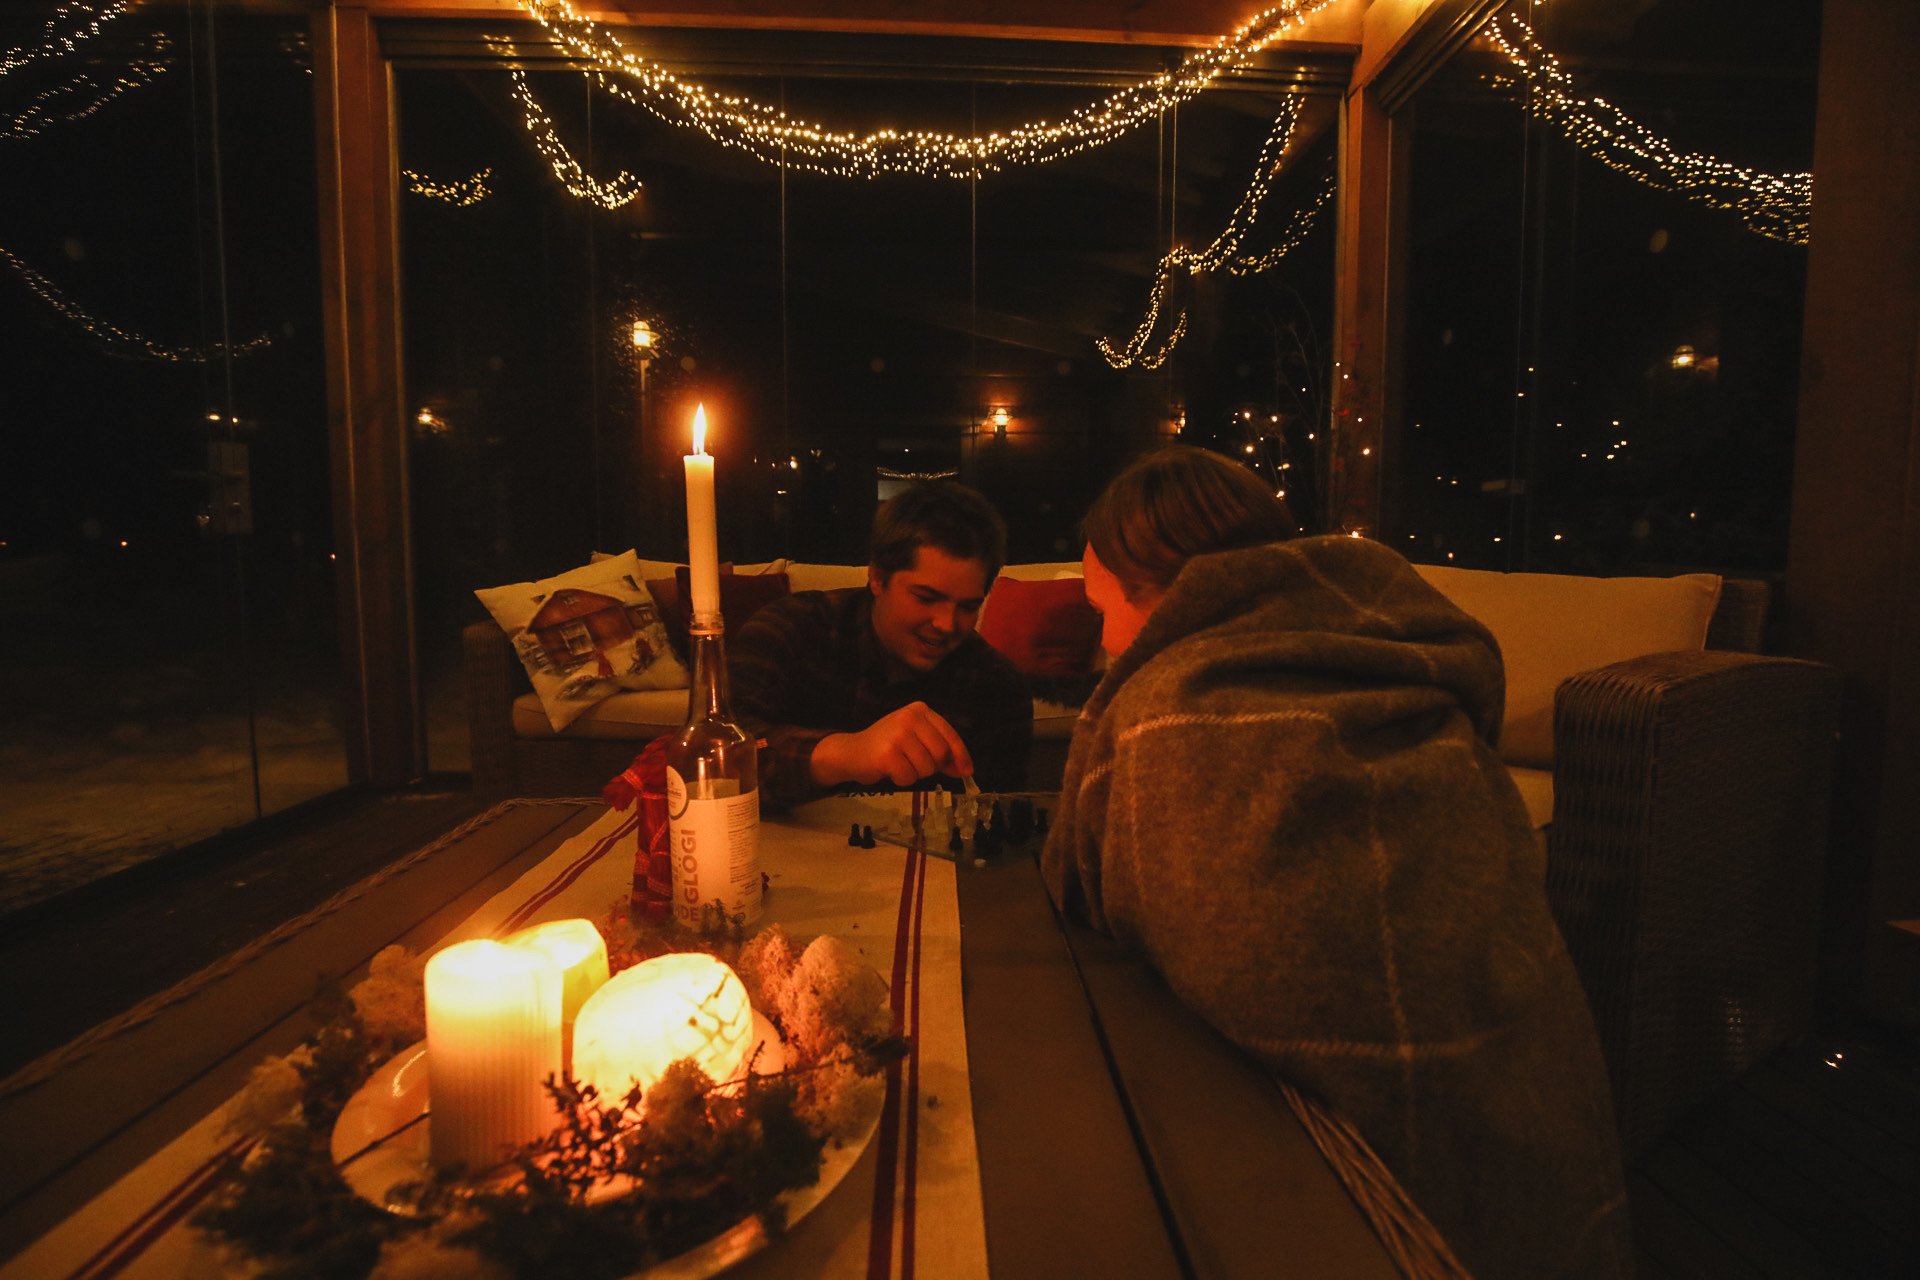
x: 809, y: 665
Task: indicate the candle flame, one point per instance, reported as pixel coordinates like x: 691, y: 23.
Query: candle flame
x: 700, y: 428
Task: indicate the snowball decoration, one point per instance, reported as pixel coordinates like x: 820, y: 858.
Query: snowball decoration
x: 684, y: 1005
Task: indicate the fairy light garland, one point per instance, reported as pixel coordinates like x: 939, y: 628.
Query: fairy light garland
x: 1776, y: 205
x: 1225, y: 251
x: 917, y: 477
x: 622, y: 189
x: 119, y: 340
x: 58, y: 43
x: 460, y: 192
x: 53, y: 106
x: 774, y: 136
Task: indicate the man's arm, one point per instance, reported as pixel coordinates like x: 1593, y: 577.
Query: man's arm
x: 902, y: 747
x: 780, y: 646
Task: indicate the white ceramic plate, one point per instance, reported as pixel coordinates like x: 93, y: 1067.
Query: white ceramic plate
x: 384, y: 1131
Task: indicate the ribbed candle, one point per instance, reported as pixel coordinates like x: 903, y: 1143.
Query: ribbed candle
x: 493, y: 1035
x: 576, y: 948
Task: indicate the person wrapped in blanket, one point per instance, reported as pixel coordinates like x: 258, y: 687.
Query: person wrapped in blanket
x: 1285, y: 794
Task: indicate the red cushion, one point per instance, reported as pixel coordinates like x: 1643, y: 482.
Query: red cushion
x: 741, y: 596
x: 1044, y: 628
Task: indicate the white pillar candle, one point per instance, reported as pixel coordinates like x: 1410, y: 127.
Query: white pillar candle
x: 685, y: 1005
x: 703, y: 550
x: 493, y: 1036
x: 578, y: 951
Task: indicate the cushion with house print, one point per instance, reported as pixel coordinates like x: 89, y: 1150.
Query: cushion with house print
x: 586, y: 634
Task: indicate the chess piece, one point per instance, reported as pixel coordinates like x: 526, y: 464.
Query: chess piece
x: 956, y: 846
x: 866, y: 838
x: 853, y: 835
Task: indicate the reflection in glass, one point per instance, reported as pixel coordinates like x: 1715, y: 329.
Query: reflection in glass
x: 168, y: 654
x: 1601, y: 376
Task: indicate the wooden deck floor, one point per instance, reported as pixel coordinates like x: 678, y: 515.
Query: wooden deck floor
x: 1807, y: 1167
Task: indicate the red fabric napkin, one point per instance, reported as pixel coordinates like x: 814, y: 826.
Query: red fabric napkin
x: 644, y: 782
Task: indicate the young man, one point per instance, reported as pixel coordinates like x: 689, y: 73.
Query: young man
x: 888, y: 683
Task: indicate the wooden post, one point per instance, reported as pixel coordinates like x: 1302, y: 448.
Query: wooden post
x: 1853, y: 560
x: 1365, y: 309
x: 366, y: 421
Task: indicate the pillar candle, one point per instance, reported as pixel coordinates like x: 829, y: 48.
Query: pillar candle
x: 703, y: 551
x: 493, y: 1036
x: 580, y: 954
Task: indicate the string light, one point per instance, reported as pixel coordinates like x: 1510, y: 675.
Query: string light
x: 1225, y: 251
x: 52, y: 106
x: 622, y: 189
x: 58, y: 44
x: 1776, y: 205
x: 774, y: 136
x: 888, y: 473
x: 117, y: 339
x: 459, y: 193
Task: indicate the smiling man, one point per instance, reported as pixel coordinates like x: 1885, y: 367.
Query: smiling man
x: 888, y: 683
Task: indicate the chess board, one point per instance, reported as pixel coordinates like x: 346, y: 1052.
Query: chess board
x: 949, y: 824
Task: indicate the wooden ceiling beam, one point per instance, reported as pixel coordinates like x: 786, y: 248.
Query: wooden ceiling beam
x: 1151, y: 22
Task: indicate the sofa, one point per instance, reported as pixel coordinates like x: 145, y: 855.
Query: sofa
x: 516, y: 751
x: 1677, y: 775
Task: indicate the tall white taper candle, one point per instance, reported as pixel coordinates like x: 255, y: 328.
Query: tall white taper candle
x: 703, y: 552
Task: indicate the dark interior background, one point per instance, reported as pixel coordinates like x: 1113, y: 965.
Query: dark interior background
x: 169, y: 662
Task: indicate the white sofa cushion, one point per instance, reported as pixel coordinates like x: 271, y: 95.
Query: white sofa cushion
x: 649, y: 713
x: 1552, y: 626
x: 825, y: 577
x: 636, y: 716
x: 1536, y: 792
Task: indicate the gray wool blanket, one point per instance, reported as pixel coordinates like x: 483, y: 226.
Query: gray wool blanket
x: 1285, y: 795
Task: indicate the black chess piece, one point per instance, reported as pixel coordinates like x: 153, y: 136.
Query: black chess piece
x: 998, y: 820
x: 853, y: 835
x: 956, y: 846
x: 986, y: 840
x: 866, y: 838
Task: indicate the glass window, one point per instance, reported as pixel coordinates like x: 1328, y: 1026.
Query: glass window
x: 169, y: 655
x: 1601, y: 357
x: 846, y: 335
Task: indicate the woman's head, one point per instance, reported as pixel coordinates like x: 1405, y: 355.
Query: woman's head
x: 1164, y: 509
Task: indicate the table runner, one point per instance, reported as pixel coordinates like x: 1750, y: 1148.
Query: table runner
x: 913, y: 1196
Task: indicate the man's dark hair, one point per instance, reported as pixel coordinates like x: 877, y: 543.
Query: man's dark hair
x: 937, y: 513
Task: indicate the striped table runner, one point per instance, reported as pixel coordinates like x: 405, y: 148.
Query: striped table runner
x: 913, y: 1200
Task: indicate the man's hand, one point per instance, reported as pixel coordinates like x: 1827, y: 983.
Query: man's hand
x: 903, y: 747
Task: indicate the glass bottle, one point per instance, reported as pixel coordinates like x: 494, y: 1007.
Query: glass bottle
x: 713, y: 797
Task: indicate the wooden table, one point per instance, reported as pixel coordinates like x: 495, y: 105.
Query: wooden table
x: 1116, y: 1134
x: 1120, y: 1135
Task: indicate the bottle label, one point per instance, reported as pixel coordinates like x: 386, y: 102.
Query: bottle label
x: 716, y: 855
